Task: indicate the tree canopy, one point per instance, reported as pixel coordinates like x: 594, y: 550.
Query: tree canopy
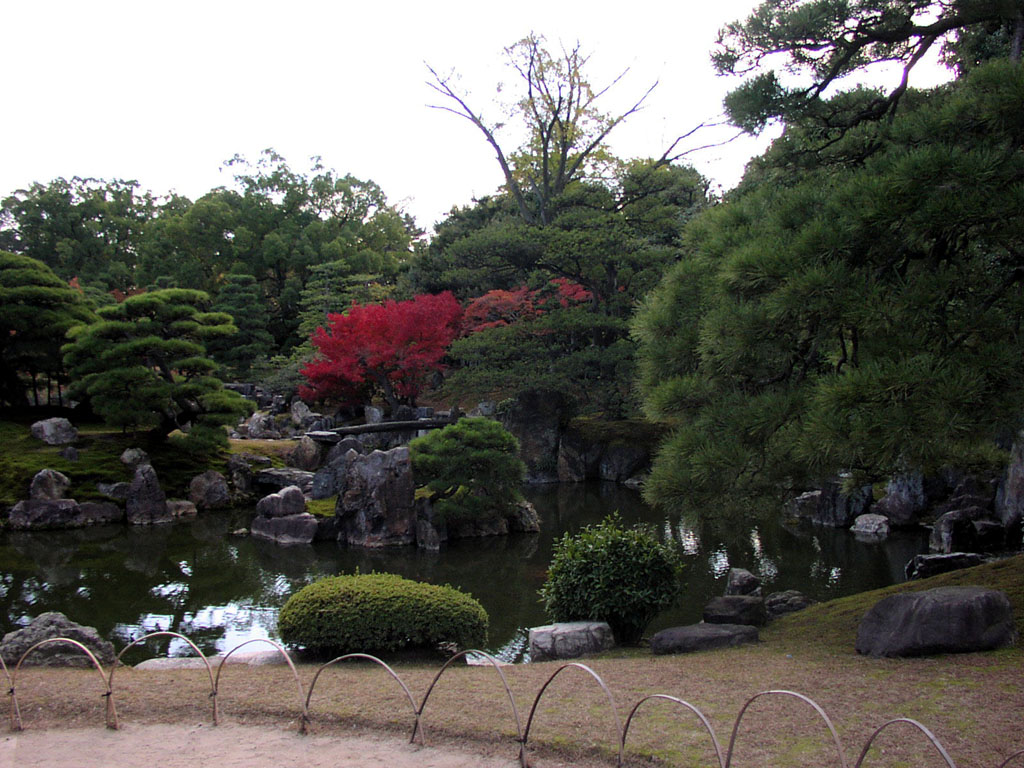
x: 143, y: 364
x: 388, y: 349
x: 819, y: 42
x: 861, y: 317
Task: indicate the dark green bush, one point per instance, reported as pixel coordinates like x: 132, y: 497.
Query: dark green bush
x: 380, y: 612
x: 471, y: 469
x: 624, y: 576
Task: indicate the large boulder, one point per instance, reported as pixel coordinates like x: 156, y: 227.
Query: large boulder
x: 209, y: 490
x: 134, y: 458
x: 788, y: 601
x: 329, y: 480
x: 242, y: 469
x: 38, y: 514
x: 736, y: 609
x: 941, y: 620
x: 48, y: 484
x: 287, y: 501
x: 301, y: 414
x: 925, y: 566
x: 536, y: 419
x: 831, y: 505
x: 306, y: 455
x: 1009, y: 502
x: 55, y: 431
x: 870, y: 527
x: 292, y: 529
x: 742, y: 582
x: 904, y: 500
x: 276, y: 478
x: 954, y: 531
x: 569, y: 640
x: 621, y: 461
x: 377, y: 508
x: 146, y: 503
x: 702, y: 637
x: 47, y: 626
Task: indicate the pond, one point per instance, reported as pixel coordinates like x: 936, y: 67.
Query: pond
x: 221, y: 590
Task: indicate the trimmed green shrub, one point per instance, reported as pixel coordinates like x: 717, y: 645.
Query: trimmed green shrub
x: 624, y: 576
x: 471, y: 468
x: 377, y: 612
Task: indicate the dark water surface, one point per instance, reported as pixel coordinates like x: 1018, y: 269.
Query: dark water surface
x: 220, y: 590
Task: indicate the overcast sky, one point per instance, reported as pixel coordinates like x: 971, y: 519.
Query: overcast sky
x: 166, y: 92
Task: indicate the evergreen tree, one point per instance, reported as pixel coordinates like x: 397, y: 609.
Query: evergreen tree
x: 240, y: 299
x: 143, y: 364
x: 37, y: 309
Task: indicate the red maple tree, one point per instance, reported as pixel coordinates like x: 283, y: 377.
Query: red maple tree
x: 388, y: 348
x: 498, y: 307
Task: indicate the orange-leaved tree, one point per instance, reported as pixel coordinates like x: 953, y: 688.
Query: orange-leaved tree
x: 388, y: 349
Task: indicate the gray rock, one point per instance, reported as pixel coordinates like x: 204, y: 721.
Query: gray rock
x: 274, y: 479
x: 69, y: 452
x: 925, y: 566
x: 620, y: 461
x: 469, y: 529
x: 100, y: 513
x: 736, y: 609
x: 38, y: 514
x: 146, y: 503
x: 209, y: 490
x: 48, y: 484
x: 242, y: 470
x: 262, y: 426
x: 330, y: 479
x: 343, y: 446
x: 55, y: 431
x: 1009, y: 502
x: 179, y: 509
x: 293, y: 529
x: 578, y: 458
x: 536, y: 419
x: 702, y: 637
x: 286, y: 502
x: 742, y: 582
x: 870, y: 527
x: 373, y: 414
x: 423, y: 412
x: 134, y: 457
x: 301, y: 414
x: 904, y: 500
x: 838, y: 509
x: 306, y: 455
x: 954, y: 531
x: 942, y: 620
x: 788, y: 601
x: 486, y: 408
x: 524, y: 518
x: 569, y: 640
x: 377, y: 508
x: 52, y: 625
x: 805, y: 505
x: 114, y: 490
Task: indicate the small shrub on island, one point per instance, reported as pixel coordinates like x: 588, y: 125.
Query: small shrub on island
x: 380, y: 612
x: 624, y: 576
x: 471, y: 469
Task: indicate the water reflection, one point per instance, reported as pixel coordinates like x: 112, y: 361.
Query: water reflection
x: 197, y: 579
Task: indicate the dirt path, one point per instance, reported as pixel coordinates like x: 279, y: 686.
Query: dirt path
x: 226, y: 746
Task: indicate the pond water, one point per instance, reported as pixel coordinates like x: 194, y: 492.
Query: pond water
x: 221, y: 590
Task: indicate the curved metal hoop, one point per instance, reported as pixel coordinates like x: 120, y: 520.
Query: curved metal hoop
x: 508, y: 691
x: 389, y: 670
x: 600, y: 682
x: 1008, y: 760
x: 111, y: 712
x: 304, y: 717
x: 206, y: 661
x: 801, y: 697
x: 928, y: 734
x: 686, y: 705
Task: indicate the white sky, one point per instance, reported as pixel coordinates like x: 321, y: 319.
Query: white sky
x: 166, y: 92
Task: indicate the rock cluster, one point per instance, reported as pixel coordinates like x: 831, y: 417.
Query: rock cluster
x: 52, y: 625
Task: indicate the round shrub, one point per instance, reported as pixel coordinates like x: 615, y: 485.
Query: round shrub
x: 471, y: 468
x: 624, y: 576
x: 380, y: 612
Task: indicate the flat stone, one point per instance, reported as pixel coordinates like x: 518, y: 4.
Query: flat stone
x: 294, y: 529
x: 924, y: 566
x: 870, y: 527
x: 941, y: 620
x: 569, y: 640
x: 788, y: 601
x: 736, y: 609
x: 702, y: 637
